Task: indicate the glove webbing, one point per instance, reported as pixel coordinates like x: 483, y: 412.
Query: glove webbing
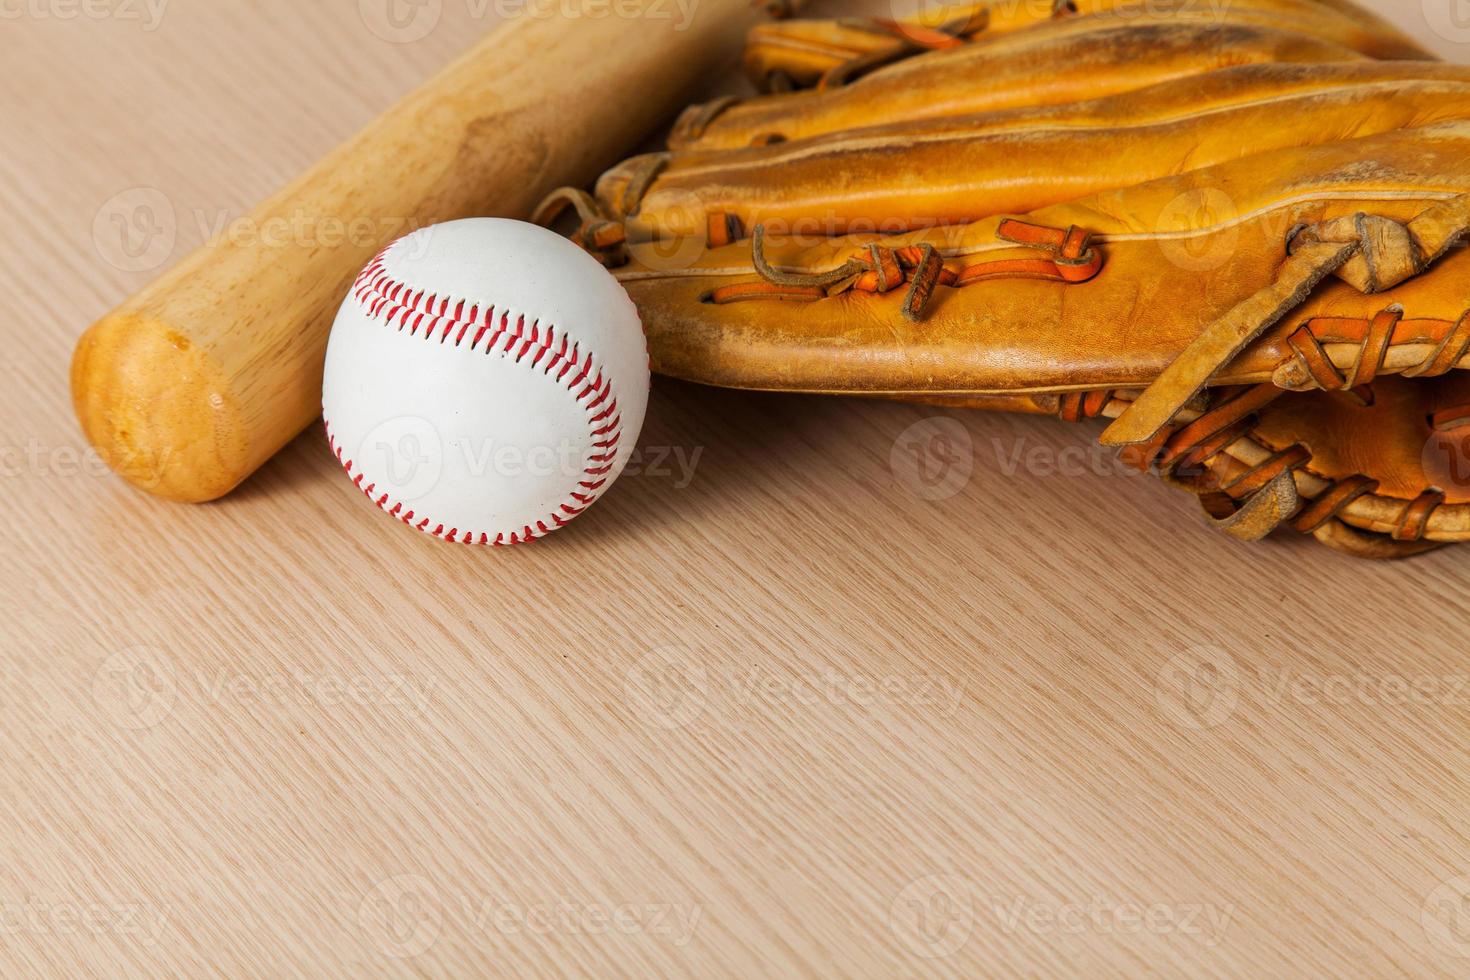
x: 1370, y: 259
x: 1249, y: 502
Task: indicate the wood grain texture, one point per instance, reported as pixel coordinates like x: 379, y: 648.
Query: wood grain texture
x: 780, y: 716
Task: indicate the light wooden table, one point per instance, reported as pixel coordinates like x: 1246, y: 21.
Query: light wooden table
x: 766, y: 710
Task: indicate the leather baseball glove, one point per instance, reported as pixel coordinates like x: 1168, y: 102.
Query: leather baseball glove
x: 1235, y: 236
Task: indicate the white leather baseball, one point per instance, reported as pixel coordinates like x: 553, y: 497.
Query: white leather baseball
x: 486, y: 381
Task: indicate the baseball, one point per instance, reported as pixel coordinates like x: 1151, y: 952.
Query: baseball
x: 486, y: 381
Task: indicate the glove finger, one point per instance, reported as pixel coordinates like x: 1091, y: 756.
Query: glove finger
x: 798, y: 53
x: 803, y: 53
x: 959, y: 170
x: 1381, y: 473
x: 1406, y: 436
x: 1023, y: 70
x: 1005, y: 317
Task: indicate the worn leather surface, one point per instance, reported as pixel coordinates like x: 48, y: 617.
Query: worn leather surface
x: 1046, y: 213
x: 1399, y: 417
x: 805, y: 50
x: 1180, y: 250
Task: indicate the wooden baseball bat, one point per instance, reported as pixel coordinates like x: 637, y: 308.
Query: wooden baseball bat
x: 192, y: 384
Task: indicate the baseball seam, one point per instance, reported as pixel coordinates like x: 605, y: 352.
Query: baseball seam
x: 508, y: 335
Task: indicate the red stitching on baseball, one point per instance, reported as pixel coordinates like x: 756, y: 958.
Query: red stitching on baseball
x: 376, y: 291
